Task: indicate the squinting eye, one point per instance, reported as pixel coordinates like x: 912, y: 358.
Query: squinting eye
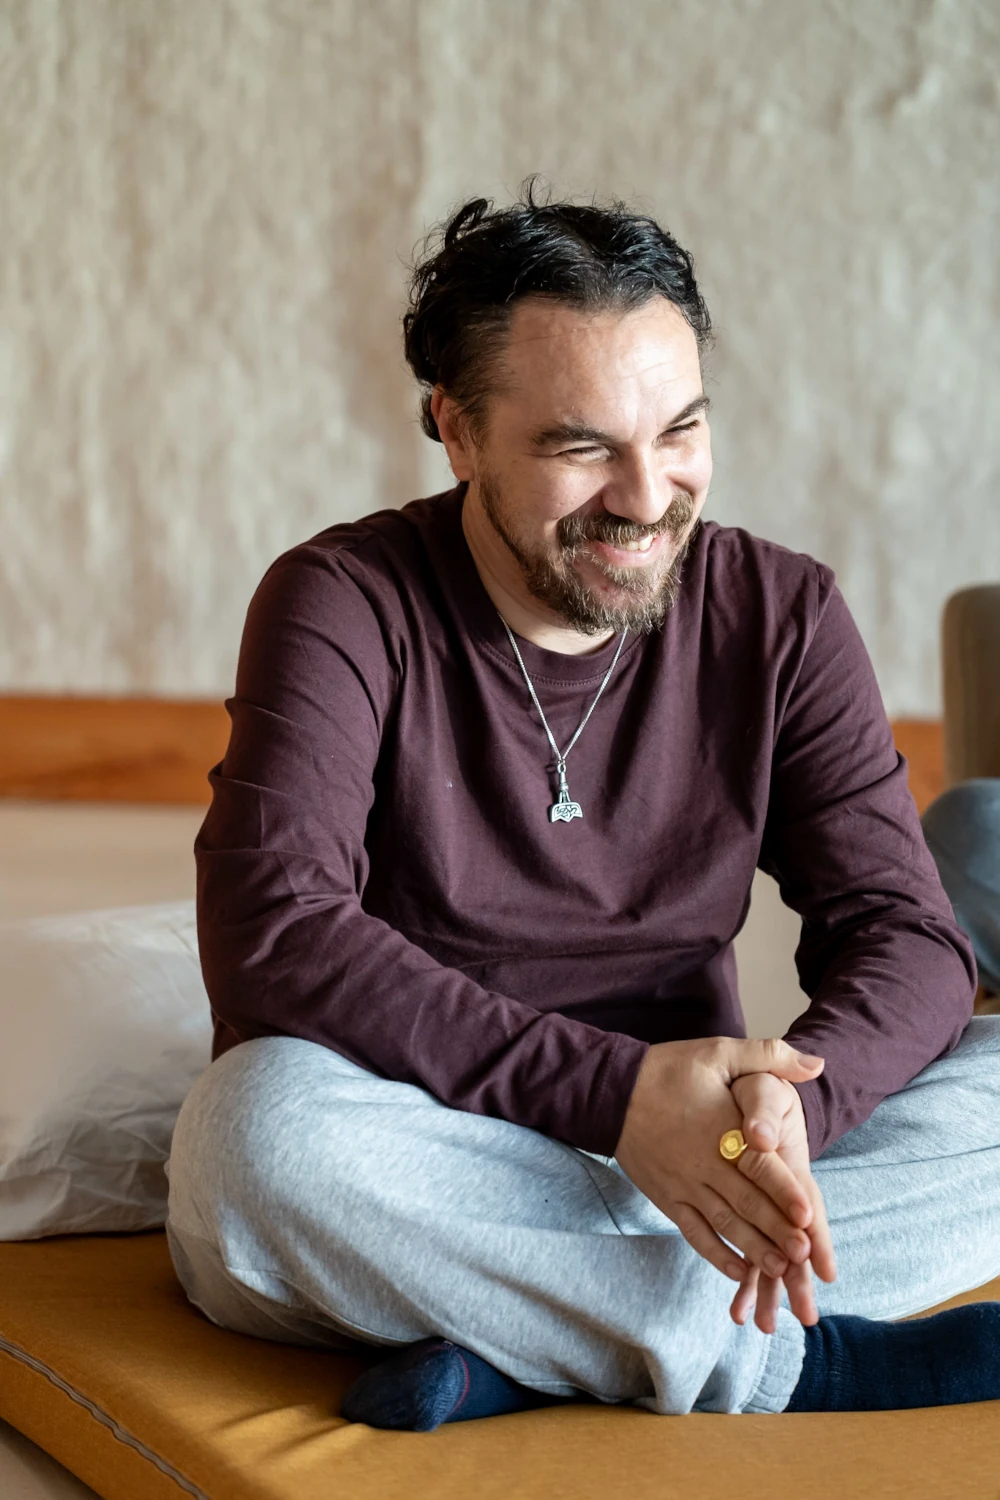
x: 686, y: 426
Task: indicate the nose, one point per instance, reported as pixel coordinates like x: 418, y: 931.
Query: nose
x: 641, y: 494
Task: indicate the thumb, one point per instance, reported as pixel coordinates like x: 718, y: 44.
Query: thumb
x: 770, y: 1055
x: 763, y: 1100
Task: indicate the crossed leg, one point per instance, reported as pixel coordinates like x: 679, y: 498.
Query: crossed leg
x: 314, y: 1202
x: 913, y: 1194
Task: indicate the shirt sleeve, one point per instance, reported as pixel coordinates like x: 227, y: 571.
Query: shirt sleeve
x: 889, y: 973
x: 287, y: 947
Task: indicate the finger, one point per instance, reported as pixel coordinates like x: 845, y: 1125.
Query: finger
x: 801, y: 1297
x: 761, y: 1130
x: 824, y: 1261
x: 757, y: 1206
x: 769, y: 1171
x: 769, y: 1055
x: 736, y: 1223
x: 768, y: 1302
x: 746, y: 1298
x: 701, y: 1237
x: 798, y: 1283
x: 764, y: 1101
x: 772, y: 1176
x: 764, y: 1112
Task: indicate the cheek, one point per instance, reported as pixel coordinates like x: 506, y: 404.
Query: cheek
x: 575, y: 489
x: 696, y: 473
x: 544, y: 495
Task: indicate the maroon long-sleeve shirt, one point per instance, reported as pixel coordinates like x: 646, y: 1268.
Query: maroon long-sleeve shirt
x: 378, y: 872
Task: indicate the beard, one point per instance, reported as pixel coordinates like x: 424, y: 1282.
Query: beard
x: 644, y: 595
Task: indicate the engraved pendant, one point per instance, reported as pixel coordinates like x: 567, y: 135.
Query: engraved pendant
x: 564, y: 809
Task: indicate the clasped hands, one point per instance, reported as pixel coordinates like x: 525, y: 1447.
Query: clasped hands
x: 766, y: 1203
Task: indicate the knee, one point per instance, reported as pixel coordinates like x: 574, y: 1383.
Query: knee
x: 980, y: 1044
x: 237, y: 1127
x: 962, y: 829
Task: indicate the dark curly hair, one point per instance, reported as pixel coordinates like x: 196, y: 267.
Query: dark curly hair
x: 475, y: 267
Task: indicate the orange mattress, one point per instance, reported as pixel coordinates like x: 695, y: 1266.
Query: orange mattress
x: 105, y: 1365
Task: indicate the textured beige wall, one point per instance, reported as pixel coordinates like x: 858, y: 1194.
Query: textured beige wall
x: 206, y: 208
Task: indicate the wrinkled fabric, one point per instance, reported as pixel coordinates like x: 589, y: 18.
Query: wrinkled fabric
x: 314, y: 1203
x: 378, y: 872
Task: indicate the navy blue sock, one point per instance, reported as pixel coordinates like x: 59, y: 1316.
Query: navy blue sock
x: 857, y: 1364
x: 432, y: 1382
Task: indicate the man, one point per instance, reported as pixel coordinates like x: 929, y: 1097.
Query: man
x: 502, y: 766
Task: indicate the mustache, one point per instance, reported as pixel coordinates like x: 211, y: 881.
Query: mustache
x: 574, y: 531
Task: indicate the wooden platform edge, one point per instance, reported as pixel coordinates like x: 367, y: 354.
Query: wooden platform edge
x: 161, y: 750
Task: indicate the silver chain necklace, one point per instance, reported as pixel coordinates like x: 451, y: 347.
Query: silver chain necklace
x: 563, y: 809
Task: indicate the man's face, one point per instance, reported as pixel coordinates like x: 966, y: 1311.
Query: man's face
x: 596, y: 459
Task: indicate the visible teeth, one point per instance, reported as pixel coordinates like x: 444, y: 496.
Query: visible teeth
x: 642, y: 546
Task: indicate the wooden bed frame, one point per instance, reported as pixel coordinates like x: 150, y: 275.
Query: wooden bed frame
x: 159, y: 749
x: 110, y: 749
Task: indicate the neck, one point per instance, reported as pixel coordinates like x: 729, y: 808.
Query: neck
x: 501, y: 576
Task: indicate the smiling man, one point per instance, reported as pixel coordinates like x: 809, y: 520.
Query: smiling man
x: 502, y: 766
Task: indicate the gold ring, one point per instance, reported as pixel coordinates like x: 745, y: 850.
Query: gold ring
x: 732, y: 1145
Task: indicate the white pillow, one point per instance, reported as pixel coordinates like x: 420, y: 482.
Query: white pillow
x: 104, y: 1026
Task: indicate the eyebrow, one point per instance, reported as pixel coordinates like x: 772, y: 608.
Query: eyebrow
x: 579, y: 432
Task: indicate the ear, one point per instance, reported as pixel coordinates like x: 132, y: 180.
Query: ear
x: 454, y: 433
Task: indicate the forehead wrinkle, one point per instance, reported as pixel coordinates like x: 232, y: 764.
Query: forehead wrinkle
x: 618, y: 366
x: 543, y: 364
x: 616, y: 355
x: 552, y: 318
x: 573, y: 390
x: 576, y: 428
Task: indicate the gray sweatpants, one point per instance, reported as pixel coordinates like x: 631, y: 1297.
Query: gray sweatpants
x: 313, y: 1202
x: 962, y: 829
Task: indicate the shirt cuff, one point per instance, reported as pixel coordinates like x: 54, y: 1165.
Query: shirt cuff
x: 614, y: 1092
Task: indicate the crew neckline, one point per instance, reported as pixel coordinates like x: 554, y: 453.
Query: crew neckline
x: 555, y: 668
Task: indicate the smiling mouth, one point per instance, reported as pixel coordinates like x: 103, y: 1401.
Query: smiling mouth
x: 624, y: 551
